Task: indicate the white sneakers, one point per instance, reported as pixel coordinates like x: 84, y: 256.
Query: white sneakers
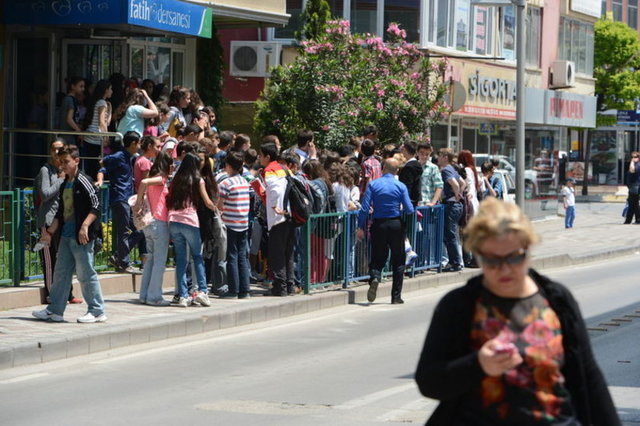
x: 47, y: 315
x: 89, y: 318
x: 203, y: 299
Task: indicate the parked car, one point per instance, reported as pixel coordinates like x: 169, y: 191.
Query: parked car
x: 530, y: 176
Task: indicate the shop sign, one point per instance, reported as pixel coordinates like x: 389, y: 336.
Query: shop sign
x: 560, y: 108
x: 487, y: 129
x: 171, y: 15
x: 491, y: 90
x: 166, y: 15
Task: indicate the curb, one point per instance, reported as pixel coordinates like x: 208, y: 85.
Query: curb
x: 193, y: 323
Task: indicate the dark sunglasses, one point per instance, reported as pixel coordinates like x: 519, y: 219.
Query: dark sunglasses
x: 497, y: 262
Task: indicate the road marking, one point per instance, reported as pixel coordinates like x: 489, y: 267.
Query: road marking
x: 23, y: 378
x: 376, y: 396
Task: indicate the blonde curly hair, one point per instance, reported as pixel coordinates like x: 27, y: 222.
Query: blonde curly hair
x: 496, y: 218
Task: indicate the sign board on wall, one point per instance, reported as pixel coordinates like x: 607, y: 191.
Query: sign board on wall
x: 560, y: 108
x: 487, y: 129
x: 588, y: 7
x: 490, y: 90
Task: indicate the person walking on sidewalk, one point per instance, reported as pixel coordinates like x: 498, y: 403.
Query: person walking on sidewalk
x: 510, y: 347
x: 79, y: 220
x: 386, y: 195
x: 569, y: 202
x: 46, y: 193
x: 633, y: 184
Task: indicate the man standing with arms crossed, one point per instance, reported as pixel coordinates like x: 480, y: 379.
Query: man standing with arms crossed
x: 385, y: 194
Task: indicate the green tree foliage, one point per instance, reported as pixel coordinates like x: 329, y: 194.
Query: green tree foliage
x: 341, y: 82
x: 314, y: 18
x: 616, y: 61
x: 210, y: 70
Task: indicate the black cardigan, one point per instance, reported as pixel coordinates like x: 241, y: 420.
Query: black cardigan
x: 448, y: 369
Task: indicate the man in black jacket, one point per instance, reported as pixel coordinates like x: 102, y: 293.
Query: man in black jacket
x: 411, y: 172
x: 78, y: 217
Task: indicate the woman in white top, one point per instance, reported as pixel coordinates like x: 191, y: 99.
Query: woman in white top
x: 97, y: 120
x: 465, y: 159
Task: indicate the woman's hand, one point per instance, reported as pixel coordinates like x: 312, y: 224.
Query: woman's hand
x: 495, y: 362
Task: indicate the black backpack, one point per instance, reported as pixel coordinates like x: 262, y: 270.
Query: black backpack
x: 299, y: 199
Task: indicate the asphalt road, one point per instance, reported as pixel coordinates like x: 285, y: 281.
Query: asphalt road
x: 351, y: 365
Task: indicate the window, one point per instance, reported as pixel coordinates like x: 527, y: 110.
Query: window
x: 480, y: 42
x: 508, y: 32
x: 604, y: 8
x: 294, y: 8
x: 616, y: 5
x: 533, y: 36
x: 632, y: 14
x: 576, y: 44
x: 406, y: 13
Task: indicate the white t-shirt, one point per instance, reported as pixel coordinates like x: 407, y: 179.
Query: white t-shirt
x: 95, y: 122
x: 569, y: 195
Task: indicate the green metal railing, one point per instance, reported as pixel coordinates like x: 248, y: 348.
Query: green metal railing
x: 332, y: 254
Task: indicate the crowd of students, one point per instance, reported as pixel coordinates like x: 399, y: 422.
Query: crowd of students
x: 223, y: 206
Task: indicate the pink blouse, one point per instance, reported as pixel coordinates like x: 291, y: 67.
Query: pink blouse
x: 157, y: 195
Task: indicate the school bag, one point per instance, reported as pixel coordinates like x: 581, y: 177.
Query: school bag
x: 298, y: 197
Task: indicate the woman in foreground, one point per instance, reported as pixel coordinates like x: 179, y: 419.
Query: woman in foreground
x: 510, y: 347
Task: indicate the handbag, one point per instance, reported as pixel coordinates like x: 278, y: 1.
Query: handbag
x: 144, y: 219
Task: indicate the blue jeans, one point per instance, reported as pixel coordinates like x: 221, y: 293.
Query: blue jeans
x: 238, y: 269
x: 452, y: 215
x: 73, y: 257
x: 570, y: 216
x: 183, y: 236
x: 157, y: 236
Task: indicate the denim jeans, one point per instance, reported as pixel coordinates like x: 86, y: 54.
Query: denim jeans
x: 73, y: 257
x: 570, y: 216
x: 238, y: 269
x: 452, y: 215
x: 157, y: 236
x: 183, y: 236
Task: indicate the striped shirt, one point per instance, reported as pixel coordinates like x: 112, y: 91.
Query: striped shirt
x: 235, y: 192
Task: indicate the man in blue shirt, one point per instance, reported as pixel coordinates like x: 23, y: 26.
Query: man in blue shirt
x: 385, y: 195
x: 119, y: 170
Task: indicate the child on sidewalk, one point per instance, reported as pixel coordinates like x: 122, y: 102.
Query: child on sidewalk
x: 569, y: 201
x: 78, y: 216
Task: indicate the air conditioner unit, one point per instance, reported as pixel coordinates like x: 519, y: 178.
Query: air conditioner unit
x: 253, y: 58
x: 563, y: 74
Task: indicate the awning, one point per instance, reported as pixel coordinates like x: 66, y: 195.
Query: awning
x: 165, y: 15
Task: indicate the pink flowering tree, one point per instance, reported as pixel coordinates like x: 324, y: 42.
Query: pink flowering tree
x: 341, y: 82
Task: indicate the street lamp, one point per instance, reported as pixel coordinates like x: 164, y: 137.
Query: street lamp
x: 520, y: 6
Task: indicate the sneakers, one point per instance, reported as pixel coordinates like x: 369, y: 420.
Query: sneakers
x: 75, y: 300
x: 244, y: 296
x: 90, y: 318
x: 203, y: 299
x: 160, y: 302
x: 128, y: 270
x: 183, y: 302
x: 176, y: 299
x: 410, y: 258
x: 373, y: 290
x: 47, y: 315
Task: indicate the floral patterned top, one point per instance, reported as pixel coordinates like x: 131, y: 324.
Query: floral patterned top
x: 534, y: 391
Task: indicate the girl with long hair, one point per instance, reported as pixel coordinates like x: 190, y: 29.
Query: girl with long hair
x: 187, y: 189
x: 97, y: 120
x: 179, y: 99
x: 131, y: 113
x: 465, y: 159
x: 157, y: 232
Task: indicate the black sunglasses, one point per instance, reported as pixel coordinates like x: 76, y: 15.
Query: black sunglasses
x: 496, y: 262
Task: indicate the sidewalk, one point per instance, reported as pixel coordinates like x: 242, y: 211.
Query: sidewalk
x: 598, y: 235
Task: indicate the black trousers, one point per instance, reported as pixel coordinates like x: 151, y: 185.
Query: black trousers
x: 633, y: 209
x: 281, y: 243
x: 388, y: 234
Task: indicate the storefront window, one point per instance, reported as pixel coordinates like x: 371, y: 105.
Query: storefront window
x: 178, y: 68
x: 604, y: 158
x: 159, y: 64
x: 406, y: 13
x: 137, y: 62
